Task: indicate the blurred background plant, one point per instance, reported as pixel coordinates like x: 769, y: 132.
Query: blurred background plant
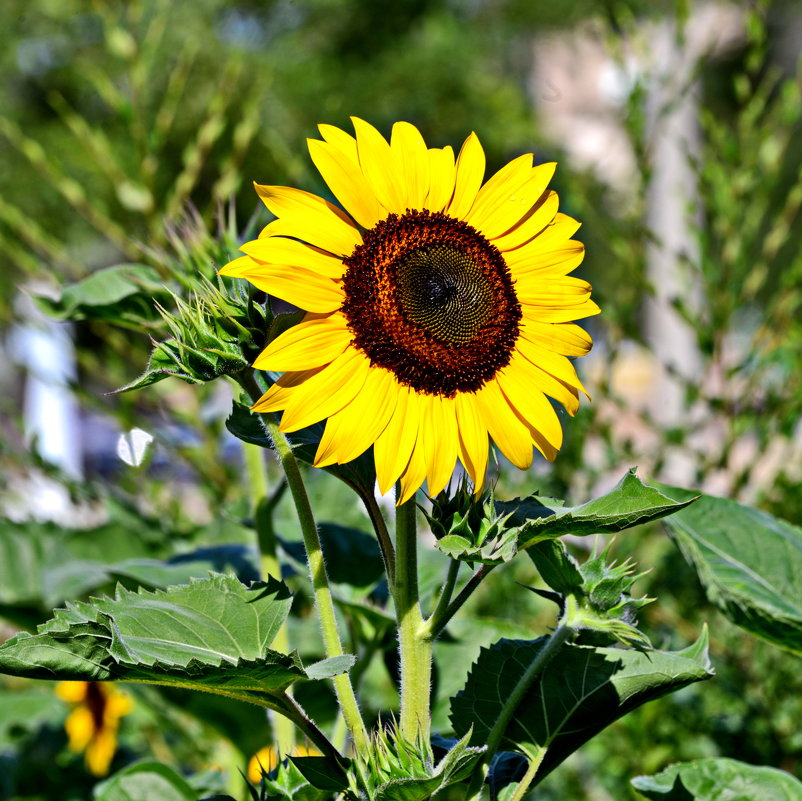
x: 130, y: 135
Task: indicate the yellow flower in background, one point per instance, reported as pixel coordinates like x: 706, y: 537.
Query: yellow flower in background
x: 94, y: 722
x: 266, y: 759
x: 440, y: 308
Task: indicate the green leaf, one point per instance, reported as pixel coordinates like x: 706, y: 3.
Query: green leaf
x: 630, y: 503
x: 322, y: 772
x: 42, y: 565
x: 352, y: 556
x: 212, y: 634
x: 582, y: 690
x: 749, y: 562
x: 26, y: 711
x: 145, y: 781
x: 719, y: 780
x: 122, y: 292
x: 556, y: 566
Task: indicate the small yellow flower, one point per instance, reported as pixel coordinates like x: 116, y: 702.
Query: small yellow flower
x: 266, y: 760
x: 94, y: 722
x: 440, y: 309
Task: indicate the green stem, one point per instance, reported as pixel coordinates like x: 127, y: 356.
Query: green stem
x: 415, y: 643
x: 453, y: 607
x: 320, y: 582
x: 440, y: 611
x: 262, y: 508
x: 528, y: 777
x: 383, y: 536
x: 559, y: 637
x: 317, y: 568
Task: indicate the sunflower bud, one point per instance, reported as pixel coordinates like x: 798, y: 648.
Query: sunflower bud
x: 219, y: 331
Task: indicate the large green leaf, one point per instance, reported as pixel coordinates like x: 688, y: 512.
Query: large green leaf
x: 122, y: 292
x: 749, y: 562
x: 582, y: 690
x: 145, y: 781
x: 629, y: 504
x: 719, y: 780
x: 42, y: 564
x: 211, y: 634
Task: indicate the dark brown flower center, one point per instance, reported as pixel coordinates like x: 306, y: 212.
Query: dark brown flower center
x: 429, y: 298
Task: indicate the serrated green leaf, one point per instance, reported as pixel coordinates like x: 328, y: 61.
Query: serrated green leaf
x: 719, y: 780
x: 212, y: 634
x: 145, y: 781
x: 630, y: 503
x: 581, y: 691
x: 749, y: 562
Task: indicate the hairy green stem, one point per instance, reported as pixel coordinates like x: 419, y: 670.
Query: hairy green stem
x: 441, y: 609
x: 317, y: 568
x: 320, y: 582
x: 415, y: 643
x: 383, y: 536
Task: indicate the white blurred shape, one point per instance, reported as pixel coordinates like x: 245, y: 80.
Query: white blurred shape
x: 133, y: 445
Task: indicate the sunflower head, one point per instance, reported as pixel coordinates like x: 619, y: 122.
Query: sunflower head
x: 440, y: 308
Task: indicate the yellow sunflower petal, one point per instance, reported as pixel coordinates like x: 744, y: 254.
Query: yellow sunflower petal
x: 443, y: 174
x: 327, y: 392
x: 470, y: 172
x: 415, y: 471
x: 393, y: 447
x: 310, y: 218
x: 473, y: 443
x: 558, y: 231
x: 311, y: 343
x: 100, y: 752
x: 537, y: 219
x: 531, y: 259
x: 346, y: 181
x: 236, y: 268
x: 358, y: 424
x: 278, y: 396
x: 544, y: 314
x: 412, y: 162
x: 290, y: 252
x: 519, y: 386
x: 440, y: 442
x: 509, y: 196
x: 302, y: 288
x: 507, y: 431
x: 544, y: 289
x: 80, y: 728
x: 565, y: 338
x: 378, y: 167
x: 555, y: 364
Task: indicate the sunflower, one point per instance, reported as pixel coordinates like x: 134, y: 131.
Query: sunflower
x: 439, y: 309
x: 94, y: 722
